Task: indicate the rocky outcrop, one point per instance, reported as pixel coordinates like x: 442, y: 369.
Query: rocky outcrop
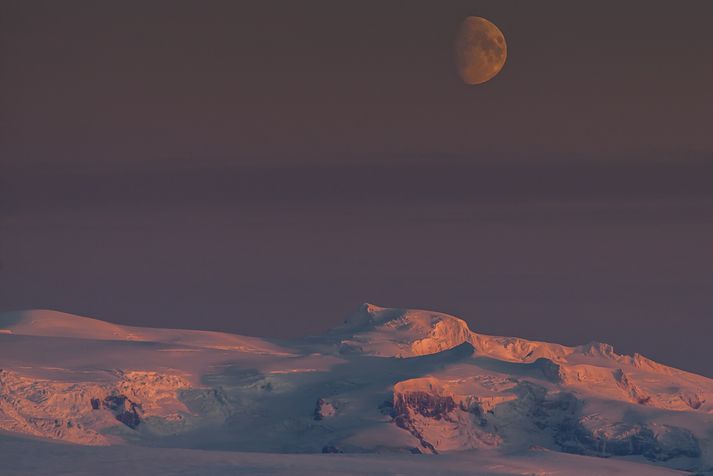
x: 550, y: 370
x: 124, y: 410
x: 693, y: 399
x: 324, y: 409
x: 47, y: 409
x: 441, y: 421
x: 425, y: 404
x: 407, y: 406
x: 79, y: 411
x: 593, y: 435
x: 630, y: 389
x: 599, y: 349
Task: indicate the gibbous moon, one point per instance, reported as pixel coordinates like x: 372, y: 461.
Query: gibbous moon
x: 480, y: 50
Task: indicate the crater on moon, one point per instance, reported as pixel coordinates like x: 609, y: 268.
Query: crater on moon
x: 480, y: 50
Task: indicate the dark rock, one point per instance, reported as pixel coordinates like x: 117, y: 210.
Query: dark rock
x: 425, y: 404
x: 114, y: 402
x: 474, y: 407
x: 331, y: 449
x: 693, y: 400
x: 634, y: 392
x: 130, y: 419
x: 550, y: 370
x: 124, y: 410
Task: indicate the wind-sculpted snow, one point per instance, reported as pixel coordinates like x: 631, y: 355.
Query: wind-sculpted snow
x: 386, y: 381
x: 373, y: 330
x: 59, y: 324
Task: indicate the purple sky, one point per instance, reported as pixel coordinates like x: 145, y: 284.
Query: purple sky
x: 264, y: 167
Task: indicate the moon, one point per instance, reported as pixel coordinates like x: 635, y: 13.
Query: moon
x: 480, y: 50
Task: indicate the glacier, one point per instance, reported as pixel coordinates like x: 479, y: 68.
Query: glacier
x: 388, y: 390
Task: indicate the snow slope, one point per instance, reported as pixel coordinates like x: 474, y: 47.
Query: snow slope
x: 58, y: 324
x: 394, y: 383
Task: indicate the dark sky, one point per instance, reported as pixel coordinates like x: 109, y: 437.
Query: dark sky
x: 264, y: 167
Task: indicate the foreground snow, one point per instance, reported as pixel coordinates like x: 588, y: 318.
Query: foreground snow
x: 24, y: 457
x: 383, y: 387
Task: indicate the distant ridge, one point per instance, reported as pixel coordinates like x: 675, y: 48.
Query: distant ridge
x: 49, y: 323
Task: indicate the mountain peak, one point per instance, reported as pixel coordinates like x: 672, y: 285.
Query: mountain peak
x: 395, y: 332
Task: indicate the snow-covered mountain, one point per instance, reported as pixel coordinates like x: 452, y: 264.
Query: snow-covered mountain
x: 385, y: 382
